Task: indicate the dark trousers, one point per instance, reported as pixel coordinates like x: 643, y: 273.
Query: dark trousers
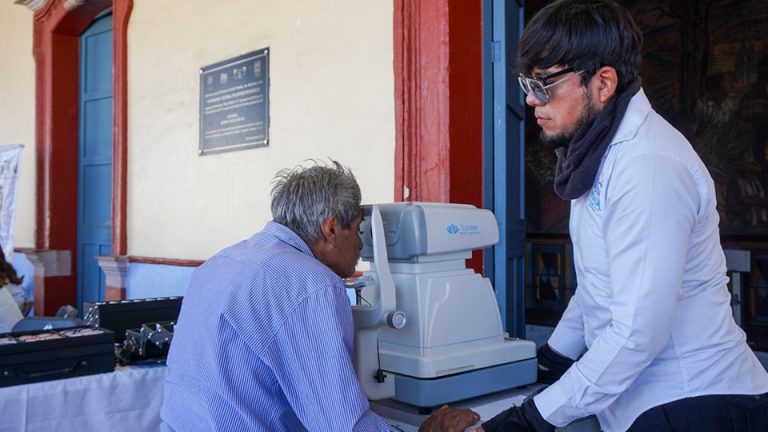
x: 717, y: 413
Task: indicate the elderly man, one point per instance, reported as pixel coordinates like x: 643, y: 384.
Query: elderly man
x: 264, y: 339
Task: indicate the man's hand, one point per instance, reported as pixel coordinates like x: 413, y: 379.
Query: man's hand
x: 552, y: 364
x: 523, y: 418
x: 448, y: 419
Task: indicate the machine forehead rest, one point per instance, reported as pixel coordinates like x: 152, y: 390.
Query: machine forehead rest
x: 415, y: 229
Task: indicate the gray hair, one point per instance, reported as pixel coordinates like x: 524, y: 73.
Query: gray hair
x: 302, y: 198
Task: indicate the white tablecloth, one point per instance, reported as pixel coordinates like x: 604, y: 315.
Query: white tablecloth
x: 128, y: 399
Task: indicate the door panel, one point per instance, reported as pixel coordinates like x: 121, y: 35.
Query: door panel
x: 97, y: 129
x: 94, y: 210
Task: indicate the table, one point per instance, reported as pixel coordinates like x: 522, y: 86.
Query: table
x: 127, y: 400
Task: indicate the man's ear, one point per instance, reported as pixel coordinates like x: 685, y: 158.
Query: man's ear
x: 329, y: 230
x: 607, y: 80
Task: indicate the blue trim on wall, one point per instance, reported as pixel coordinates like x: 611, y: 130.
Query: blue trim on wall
x: 157, y: 280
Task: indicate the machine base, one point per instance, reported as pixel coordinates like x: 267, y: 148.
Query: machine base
x: 438, y: 391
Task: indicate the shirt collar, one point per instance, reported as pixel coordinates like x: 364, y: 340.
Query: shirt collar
x: 634, y: 117
x: 286, y: 235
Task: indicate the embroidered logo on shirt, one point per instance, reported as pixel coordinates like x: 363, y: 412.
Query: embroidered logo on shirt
x: 594, y: 197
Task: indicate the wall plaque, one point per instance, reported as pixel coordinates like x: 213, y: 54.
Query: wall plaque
x: 234, y: 103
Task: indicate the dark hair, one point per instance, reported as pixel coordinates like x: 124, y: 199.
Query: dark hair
x: 584, y: 34
x: 303, y: 197
x: 7, y: 272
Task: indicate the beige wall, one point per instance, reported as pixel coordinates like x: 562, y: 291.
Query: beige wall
x: 331, y: 95
x: 17, y: 110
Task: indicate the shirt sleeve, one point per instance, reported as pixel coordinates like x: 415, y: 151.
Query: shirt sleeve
x: 312, y: 359
x: 647, y: 227
x: 568, y: 337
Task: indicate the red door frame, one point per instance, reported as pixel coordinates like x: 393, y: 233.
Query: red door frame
x: 57, y: 29
x: 438, y: 61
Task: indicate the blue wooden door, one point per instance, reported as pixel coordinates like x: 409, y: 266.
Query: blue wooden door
x: 504, y: 149
x: 94, y: 194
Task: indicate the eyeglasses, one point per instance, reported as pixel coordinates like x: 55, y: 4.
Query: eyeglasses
x: 538, y: 86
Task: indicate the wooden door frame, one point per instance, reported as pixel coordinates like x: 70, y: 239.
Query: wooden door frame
x: 57, y: 28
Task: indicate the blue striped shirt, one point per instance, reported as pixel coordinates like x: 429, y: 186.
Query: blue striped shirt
x: 264, y: 343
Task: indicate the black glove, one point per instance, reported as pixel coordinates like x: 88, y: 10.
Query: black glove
x: 523, y: 418
x: 551, y: 364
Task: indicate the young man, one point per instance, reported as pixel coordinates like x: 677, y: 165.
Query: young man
x: 264, y: 339
x: 649, y: 331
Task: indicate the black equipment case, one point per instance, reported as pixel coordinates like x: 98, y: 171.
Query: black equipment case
x: 123, y: 315
x: 43, y: 355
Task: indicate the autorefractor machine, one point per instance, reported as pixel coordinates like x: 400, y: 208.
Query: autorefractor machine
x: 428, y: 329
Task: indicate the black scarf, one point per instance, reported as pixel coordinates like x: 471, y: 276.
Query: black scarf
x: 577, y: 164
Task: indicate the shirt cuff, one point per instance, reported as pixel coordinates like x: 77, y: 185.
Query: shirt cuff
x: 566, y: 343
x: 548, y: 401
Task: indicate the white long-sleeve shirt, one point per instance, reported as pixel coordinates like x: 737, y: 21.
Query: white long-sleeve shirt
x: 652, y: 308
